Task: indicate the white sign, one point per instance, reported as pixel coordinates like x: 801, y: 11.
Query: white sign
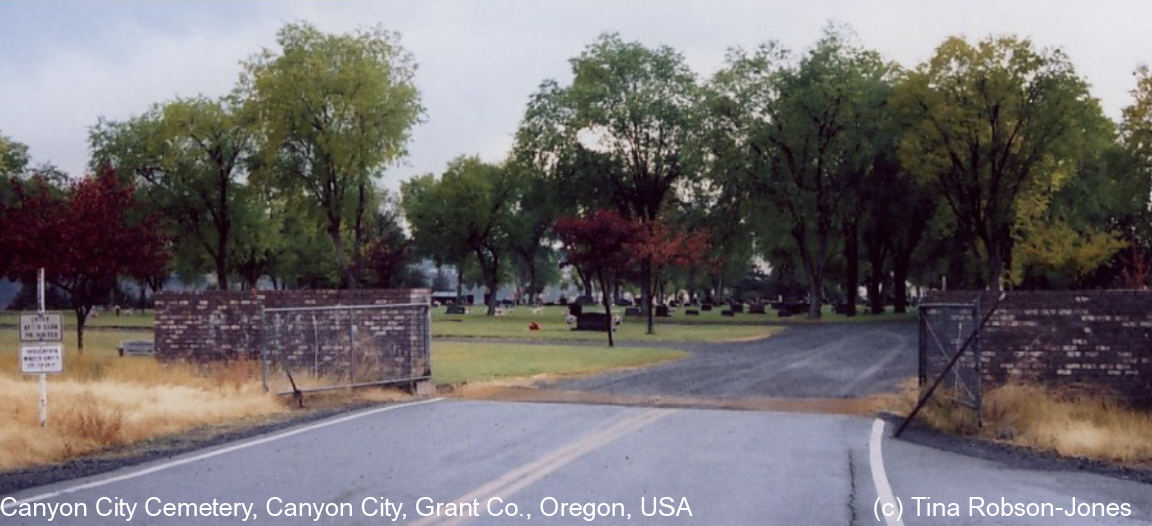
x: 41, y: 327
x: 41, y: 358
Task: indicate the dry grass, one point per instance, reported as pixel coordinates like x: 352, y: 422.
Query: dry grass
x: 1073, y: 421
x: 106, y: 401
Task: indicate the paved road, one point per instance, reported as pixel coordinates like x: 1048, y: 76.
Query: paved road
x: 818, y: 360
x: 727, y: 467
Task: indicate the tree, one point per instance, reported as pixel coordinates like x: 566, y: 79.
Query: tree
x: 630, y: 109
x: 332, y: 111
x: 601, y: 244
x: 189, y: 157
x: 84, y: 239
x: 13, y: 157
x: 467, y: 211
x: 991, y: 122
x: 802, y: 131
x: 1136, y: 225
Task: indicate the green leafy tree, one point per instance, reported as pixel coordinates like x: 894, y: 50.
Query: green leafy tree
x: 332, y: 110
x: 470, y: 208
x: 189, y: 158
x: 631, y: 109
x: 992, y: 122
x: 801, y: 129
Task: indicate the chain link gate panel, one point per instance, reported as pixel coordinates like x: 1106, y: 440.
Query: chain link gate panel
x: 944, y: 327
x: 323, y: 348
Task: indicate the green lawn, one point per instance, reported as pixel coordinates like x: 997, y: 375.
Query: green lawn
x: 552, y: 327
x: 458, y: 363
x: 827, y: 315
x: 105, y: 319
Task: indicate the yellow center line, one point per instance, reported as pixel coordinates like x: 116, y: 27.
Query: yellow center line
x: 521, y: 477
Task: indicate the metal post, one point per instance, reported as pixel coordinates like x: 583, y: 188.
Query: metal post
x: 315, y: 350
x: 264, y: 349
x: 43, y: 377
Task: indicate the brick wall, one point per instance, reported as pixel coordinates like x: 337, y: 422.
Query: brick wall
x: 223, y: 325
x: 1101, y: 337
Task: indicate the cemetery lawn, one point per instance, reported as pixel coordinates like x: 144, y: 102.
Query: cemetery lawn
x: 515, y: 324
x: 104, y: 319
x: 461, y: 363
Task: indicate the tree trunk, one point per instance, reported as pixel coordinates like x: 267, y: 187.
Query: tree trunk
x: 815, y: 302
x: 995, y: 266
x: 852, y: 264
x: 607, y: 310
x: 876, y: 259
x: 81, y: 319
x: 221, y: 270
x: 646, y: 281
x: 459, y: 286
x: 358, y: 230
x: 900, y: 266
x: 347, y: 276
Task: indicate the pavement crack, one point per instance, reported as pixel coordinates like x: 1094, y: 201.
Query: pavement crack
x: 851, y: 489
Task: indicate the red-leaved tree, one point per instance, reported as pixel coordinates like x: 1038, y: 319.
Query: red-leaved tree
x: 601, y: 245
x: 84, y: 238
x: 658, y: 245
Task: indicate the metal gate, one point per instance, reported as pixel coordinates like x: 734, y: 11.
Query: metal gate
x: 323, y: 348
x: 944, y: 328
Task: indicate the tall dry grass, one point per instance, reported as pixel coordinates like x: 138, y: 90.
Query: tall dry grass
x: 102, y: 400
x: 1072, y: 421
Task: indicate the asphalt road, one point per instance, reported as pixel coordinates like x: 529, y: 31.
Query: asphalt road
x: 726, y: 467
x: 830, y: 360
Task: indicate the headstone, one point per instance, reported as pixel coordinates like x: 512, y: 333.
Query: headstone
x: 136, y: 348
x: 592, y: 321
x: 706, y: 307
x: 691, y: 312
x: 756, y: 308
x: 456, y: 309
x: 737, y: 307
x: 728, y: 313
x: 662, y: 311
x: 575, y: 309
x: 632, y: 311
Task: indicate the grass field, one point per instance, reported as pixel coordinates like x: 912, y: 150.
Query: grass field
x: 459, y: 363
x: 552, y: 327
x: 105, y: 319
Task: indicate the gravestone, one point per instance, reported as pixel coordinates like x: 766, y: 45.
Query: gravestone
x: 662, y: 311
x: 757, y: 308
x: 737, y: 307
x: 575, y: 309
x: 691, y: 312
x: 455, y: 309
x: 592, y: 321
x: 728, y: 313
x: 706, y: 307
x: 632, y: 311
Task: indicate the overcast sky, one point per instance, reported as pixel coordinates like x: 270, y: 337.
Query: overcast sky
x: 64, y: 64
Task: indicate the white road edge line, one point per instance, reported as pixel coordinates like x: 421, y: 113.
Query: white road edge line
x: 879, y: 474
x: 216, y: 452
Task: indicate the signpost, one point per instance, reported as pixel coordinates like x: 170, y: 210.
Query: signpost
x: 40, y: 349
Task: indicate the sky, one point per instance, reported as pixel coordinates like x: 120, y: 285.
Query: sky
x: 65, y: 64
